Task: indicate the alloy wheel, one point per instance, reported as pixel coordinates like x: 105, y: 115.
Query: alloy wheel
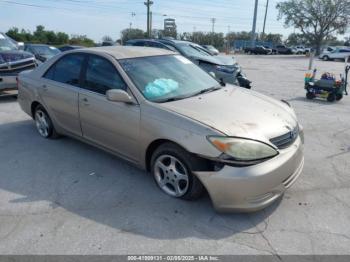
x: 171, y: 175
x: 42, y: 123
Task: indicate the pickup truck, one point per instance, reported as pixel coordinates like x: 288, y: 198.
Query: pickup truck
x: 12, y: 62
x: 284, y: 50
x: 258, y: 50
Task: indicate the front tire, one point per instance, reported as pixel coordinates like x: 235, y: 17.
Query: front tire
x: 326, y: 58
x: 338, y: 97
x: 310, y: 95
x: 171, y: 170
x: 43, y: 123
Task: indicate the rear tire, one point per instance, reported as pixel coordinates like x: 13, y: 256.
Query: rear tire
x: 331, y: 97
x: 44, y: 123
x: 326, y: 58
x: 171, y: 170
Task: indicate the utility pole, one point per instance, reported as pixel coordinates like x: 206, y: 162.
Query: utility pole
x: 213, y: 20
x: 254, y: 23
x: 267, y: 7
x: 148, y: 3
x: 150, y: 23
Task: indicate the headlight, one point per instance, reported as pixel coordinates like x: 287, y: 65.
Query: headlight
x: 225, y: 69
x: 241, y: 149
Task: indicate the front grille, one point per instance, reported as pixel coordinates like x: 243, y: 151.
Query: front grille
x: 287, y: 139
x: 17, y: 67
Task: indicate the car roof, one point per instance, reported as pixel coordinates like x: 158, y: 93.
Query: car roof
x: 29, y: 44
x: 122, y: 52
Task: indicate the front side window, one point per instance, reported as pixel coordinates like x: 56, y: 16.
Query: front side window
x: 66, y: 70
x: 101, y: 76
x: 160, y: 78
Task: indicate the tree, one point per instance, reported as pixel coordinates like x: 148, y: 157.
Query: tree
x: 318, y: 20
x: 297, y: 39
x: 132, y: 33
x: 81, y: 40
x: 274, y: 38
x: 107, y: 38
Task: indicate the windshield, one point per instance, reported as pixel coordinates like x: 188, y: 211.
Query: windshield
x: 192, y: 50
x: 45, y: 50
x: 160, y: 78
x: 6, y: 44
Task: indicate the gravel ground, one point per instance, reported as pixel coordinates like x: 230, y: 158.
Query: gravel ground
x: 65, y: 197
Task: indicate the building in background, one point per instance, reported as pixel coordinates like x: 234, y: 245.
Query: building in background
x: 170, y: 27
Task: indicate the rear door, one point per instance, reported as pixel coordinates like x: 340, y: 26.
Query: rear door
x: 113, y: 125
x: 60, y: 90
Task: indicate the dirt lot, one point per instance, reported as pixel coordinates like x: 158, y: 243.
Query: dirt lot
x: 65, y: 197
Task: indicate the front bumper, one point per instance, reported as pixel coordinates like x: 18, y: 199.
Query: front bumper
x: 8, y: 82
x: 235, y: 78
x: 255, y: 187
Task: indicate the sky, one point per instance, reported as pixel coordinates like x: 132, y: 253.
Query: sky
x: 97, y: 18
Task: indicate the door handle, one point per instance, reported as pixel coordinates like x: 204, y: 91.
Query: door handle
x: 85, y: 101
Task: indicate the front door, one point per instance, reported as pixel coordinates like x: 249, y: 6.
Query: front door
x: 113, y: 125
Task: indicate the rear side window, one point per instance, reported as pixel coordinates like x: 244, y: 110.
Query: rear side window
x: 101, y: 75
x: 66, y: 70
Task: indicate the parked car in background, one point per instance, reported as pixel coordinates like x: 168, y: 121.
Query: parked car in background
x: 149, y: 43
x: 179, y: 123
x: 273, y: 50
x: 225, y: 69
x: 12, y: 62
x: 338, y: 53
x: 69, y: 47
x: 258, y: 50
x: 211, y: 49
x: 284, y: 50
x: 299, y: 50
x: 41, y: 52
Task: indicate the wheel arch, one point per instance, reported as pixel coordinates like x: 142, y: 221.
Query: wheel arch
x: 33, y: 106
x: 198, y: 163
x: 153, y: 147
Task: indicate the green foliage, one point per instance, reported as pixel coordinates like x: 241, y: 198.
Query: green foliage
x: 297, y: 39
x: 132, y: 33
x: 81, y: 40
x: 274, y: 38
x: 107, y: 38
x: 318, y: 20
x: 42, y: 36
x: 243, y: 35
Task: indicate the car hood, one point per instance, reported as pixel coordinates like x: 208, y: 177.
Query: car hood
x: 216, y: 60
x: 13, y: 56
x: 239, y: 112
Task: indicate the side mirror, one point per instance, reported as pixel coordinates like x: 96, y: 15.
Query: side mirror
x: 118, y: 95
